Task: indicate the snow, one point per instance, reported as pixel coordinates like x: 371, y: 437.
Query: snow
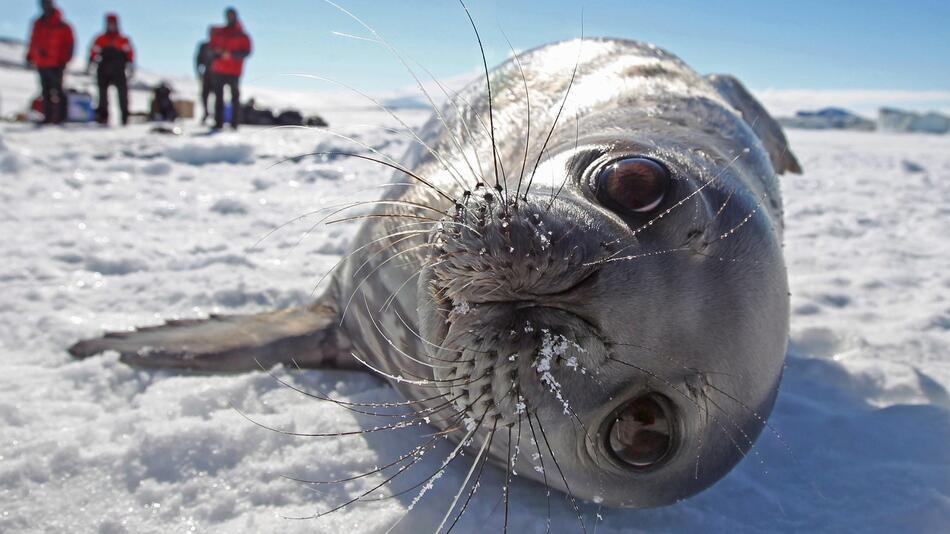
x: 895, y: 120
x: 106, y: 229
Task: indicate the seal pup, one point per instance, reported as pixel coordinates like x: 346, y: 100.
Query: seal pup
x: 577, y: 273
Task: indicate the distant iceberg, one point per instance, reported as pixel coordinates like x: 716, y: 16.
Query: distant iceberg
x: 896, y: 120
x: 828, y: 119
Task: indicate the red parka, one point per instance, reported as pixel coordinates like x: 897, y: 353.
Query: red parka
x: 233, y: 42
x: 108, y: 43
x: 51, y: 42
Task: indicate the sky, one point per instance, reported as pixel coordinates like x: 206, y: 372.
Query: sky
x: 806, y: 44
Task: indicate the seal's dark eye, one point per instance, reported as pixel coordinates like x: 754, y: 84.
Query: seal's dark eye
x: 632, y: 184
x: 642, y: 433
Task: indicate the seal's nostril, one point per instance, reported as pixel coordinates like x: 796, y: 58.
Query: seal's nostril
x: 641, y: 433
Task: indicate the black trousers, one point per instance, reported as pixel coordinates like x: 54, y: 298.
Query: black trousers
x: 207, y: 87
x: 220, y: 80
x: 121, y: 84
x: 54, y: 99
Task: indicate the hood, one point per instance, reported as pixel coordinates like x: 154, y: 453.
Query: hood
x: 54, y: 15
x: 112, y: 19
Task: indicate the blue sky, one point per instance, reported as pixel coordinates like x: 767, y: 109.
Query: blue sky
x: 868, y: 44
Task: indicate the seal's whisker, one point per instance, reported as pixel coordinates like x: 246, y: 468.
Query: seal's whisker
x: 722, y: 207
x: 352, y: 205
x: 435, y: 108
x: 527, y: 100
x: 540, y: 467
x: 397, y: 461
x: 557, y: 465
x: 570, y: 411
x: 454, y: 98
x: 361, y: 497
x: 745, y: 435
x: 769, y: 426
x: 451, y: 169
x: 491, y: 113
x: 393, y: 343
x: 401, y: 470
x: 700, y: 440
x: 386, y: 481
x: 420, y: 383
x: 508, y: 469
x: 730, y: 260
x: 381, y: 216
x: 417, y: 455
x: 295, y: 219
x: 393, y: 166
x: 388, y: 246
x: 447, y: 382
x: 356, y: 37
x: 427, y: 342
x: 430, y: 480
x: 453, y: 363
x: 342, y: 261
x: 404, y: 491
x: 428, y: 264
x: 319, y: 395
x: 374, y: 271
x: 728, y: 233
x: 679, y: 203
x: 638, y: 256
x: 325, y: 208
x: 486, y: 444
x: 570, y: 163
x: 416, y: 421
x: 392, y: 296
x: 414, y: 138
x: 658, y: 353
x: 547, y: 139
x: 694, y: 403
x: 475, y: 486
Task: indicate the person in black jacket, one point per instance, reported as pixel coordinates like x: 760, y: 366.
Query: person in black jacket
x: 112, y: 53
x: 203, y: 59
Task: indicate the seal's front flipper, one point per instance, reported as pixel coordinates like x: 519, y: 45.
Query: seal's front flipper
x: 307, y: 337
x: 765, y: 127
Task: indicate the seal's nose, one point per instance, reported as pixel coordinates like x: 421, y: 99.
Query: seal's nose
x: 641, y: 434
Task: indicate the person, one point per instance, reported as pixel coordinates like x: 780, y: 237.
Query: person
x: 113, y: 55
x: 230, y: 45
x: 203, y: 59
x: 50, y: 49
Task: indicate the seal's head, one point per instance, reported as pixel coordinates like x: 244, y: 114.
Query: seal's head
x: 628, y: 314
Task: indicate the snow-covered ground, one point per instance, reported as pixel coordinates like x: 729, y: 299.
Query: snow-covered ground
x: 106, y: 229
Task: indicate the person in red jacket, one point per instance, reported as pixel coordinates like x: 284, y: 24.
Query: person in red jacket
x: 51, y: 48
x: 112, y: 53
x: 229, y: 46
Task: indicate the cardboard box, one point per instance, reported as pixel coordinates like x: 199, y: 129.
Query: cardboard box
x: 185, y: 108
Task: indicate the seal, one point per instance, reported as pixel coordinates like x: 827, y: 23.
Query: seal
x: 578, y: 267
